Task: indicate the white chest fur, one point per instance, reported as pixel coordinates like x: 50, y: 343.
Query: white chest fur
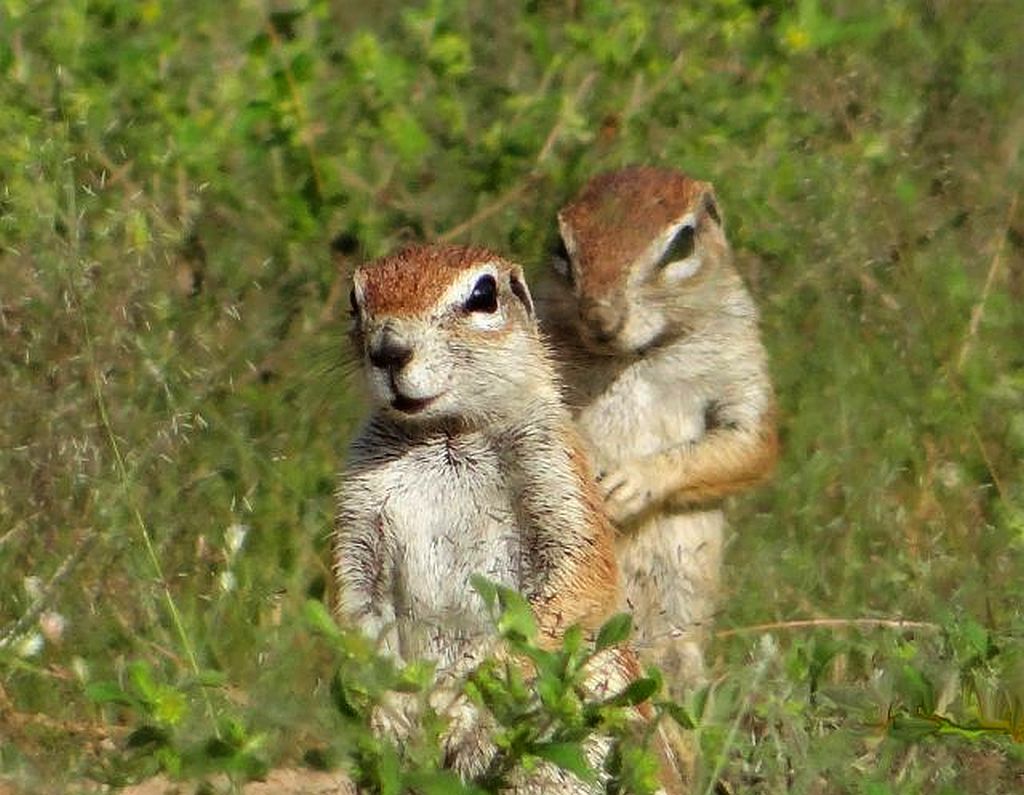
x: 641, y: 413
x: 452, y: 520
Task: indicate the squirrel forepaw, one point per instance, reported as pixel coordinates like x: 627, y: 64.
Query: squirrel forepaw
x: 395, y: 716
x: 468, y: 748
x: 625, y: 493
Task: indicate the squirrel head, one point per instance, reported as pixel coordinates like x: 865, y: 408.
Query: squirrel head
x: 642, y: 251
x: 447, y: 333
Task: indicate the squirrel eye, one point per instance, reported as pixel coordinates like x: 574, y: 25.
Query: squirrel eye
x: 353, y: 303
x: 680, y: 248
x: 484, y: 297
x: 560, y: 259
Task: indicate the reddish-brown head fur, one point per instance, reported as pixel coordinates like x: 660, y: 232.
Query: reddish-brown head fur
x: 618, y: 214
x: 410, y: 281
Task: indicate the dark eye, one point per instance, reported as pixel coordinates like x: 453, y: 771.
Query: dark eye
x: 681, y: 247
x: 560, y: 259
x: 484, y: 297
x: 353, y: 303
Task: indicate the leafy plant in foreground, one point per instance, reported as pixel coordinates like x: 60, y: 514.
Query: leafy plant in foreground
x: 536, y: 697
x: 162, y: 740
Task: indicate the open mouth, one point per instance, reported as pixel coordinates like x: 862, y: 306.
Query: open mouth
x: 408, y: 405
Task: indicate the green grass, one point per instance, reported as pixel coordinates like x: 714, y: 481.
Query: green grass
x: 174, y: 373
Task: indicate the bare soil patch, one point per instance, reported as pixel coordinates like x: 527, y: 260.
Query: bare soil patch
x: 286, y: 781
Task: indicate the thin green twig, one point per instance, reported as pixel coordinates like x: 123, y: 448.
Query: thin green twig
x: 830, y: 623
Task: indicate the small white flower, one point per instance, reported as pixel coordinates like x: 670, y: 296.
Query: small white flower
x: 234, y: 538
x: 52, y: 625
x: 767, y: 647
x: 950, y: 475
x: 81, y: 669
x: 28, y: 645
x: 227, y: 580
x: 33, y: 586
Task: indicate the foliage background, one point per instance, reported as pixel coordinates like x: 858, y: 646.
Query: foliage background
x: 181, y: 183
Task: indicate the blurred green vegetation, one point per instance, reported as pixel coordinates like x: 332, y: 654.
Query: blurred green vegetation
x: 182, y: 184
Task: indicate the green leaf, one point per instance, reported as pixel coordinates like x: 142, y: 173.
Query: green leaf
x: 488, y: 590
x: 169, y: 760
x: 638, y: 691
x: 108, y: 693
x: 615, y: 630
x: 917, y: 689
x: 655, y: 673
x: 142, y: 680
x: 343, y: 699
x: 259, y: 45
x: 440, y: 782
x: 451, y: 53
x: 912, y: 727
x: 211, y: 678
x: 573, y: 639
x: 472, y: 691
x: 547, y: 663
x: 516, y: 619
x: 678, y: 713
x: 405, y: 133
x: 389, y: 771
x: 416, y: 676
x: 320, y: 619
x: 232, y: 731
x: 284, y: 22
x: 302, y: 67
x: 550, y: 690
x: 568, y: 756
x: 699, y: 702
x: 148, y: 736
x: 169, y: 706
x: 638, y: 770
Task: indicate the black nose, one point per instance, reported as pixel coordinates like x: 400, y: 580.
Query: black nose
x: 390, y: 353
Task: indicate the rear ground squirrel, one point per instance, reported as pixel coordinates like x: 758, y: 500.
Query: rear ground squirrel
x: 669, y: 385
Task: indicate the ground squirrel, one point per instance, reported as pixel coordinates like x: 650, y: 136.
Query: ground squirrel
x: 469, y: 463
x: 669, y: 385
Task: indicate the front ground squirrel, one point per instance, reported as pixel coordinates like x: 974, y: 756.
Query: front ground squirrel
x: 669, y: 385
x: 469, y: 463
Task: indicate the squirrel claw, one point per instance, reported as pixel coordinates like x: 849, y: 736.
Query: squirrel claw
x: 624, y: 493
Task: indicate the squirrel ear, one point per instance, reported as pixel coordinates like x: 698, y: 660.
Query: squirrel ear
x: 709, y: 206
x: 519, y: 289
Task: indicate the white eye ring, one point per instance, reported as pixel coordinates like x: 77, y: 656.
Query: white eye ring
x: 683, y: 268
x: 672, y: 243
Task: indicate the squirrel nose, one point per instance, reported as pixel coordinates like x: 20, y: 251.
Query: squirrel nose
x: 390, y: 353
x: 604, y: 319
